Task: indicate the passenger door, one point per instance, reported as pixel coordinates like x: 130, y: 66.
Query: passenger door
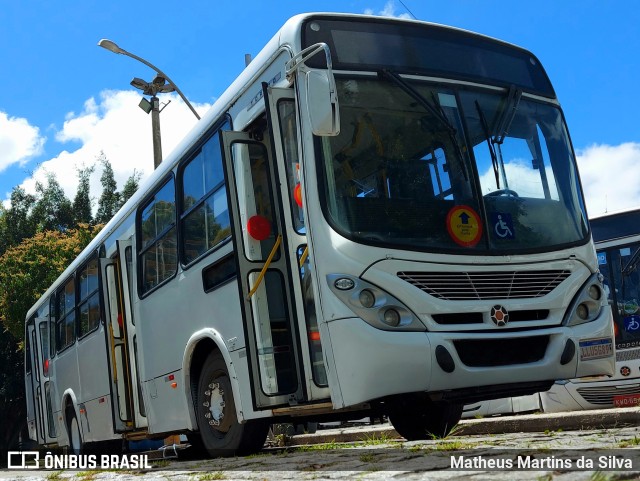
x: 264, y: 272
x: 128, y: 405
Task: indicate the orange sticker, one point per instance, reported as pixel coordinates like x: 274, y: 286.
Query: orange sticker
x: 463, y: 225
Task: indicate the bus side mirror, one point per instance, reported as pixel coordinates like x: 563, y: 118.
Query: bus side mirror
x: 322, y: 102
x: 319, y: 88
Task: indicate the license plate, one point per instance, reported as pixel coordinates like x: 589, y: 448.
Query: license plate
x: 626, y: 400
x: 596, y: 348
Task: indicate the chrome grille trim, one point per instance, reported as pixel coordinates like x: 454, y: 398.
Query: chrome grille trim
x: 466, y: 286
x: 627, y: 355
x: 604, y: 395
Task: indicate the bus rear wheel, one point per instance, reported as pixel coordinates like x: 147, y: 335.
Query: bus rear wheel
x: 220, y: 431
x: 424, y: 419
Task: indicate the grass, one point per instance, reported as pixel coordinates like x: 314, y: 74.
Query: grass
x: 211, y: 476
x: 378, y: 439
x: 550, y: 432
x: 86, y: 475
x: 56, y: 476
x: 453, y: 445
x: 324, y: 446
x: 367, y: 458
x: 629, y: 442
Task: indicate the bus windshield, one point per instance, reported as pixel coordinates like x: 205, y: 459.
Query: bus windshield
x: 426, y: 166
x: 619, y: 266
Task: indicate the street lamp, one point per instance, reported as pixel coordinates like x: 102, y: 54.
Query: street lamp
x: 160, y: 84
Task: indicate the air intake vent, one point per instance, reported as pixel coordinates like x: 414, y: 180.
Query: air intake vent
x: 467, y: 286
x: 603, y: 395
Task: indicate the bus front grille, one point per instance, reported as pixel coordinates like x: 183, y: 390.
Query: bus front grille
x: 467, y: 286
x: 604, y: 395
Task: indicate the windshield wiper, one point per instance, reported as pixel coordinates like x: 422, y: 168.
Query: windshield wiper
x: 507, y: 115
x: 432, y: 109
x: 492, y: 149
x: 503, y: 124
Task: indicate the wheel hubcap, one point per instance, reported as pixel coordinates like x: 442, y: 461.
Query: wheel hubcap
x: 214, y: 404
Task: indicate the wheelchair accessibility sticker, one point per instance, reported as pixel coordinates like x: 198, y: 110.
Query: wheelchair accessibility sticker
x: 632, y: 323
x: 502, y: 225
x: 464, y: 226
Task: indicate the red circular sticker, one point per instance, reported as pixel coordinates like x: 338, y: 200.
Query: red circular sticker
x: 297, y: 194
x: 464, y: 226
x: 259, y: 227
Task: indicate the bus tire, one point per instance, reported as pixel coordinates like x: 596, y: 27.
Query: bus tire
x: 76, y: 446
x: 424, y: 420
x: 220, y: 431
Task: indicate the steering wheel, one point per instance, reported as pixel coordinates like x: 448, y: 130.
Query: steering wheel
x: 499, y: 192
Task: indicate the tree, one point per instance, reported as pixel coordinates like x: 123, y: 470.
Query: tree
x: 15, y: 222
x: 82, y: 201
x: 110, y: 198
x: 130, y: 187
x: 52, y: 210
x: 28, y: 269
x: 26, y: 272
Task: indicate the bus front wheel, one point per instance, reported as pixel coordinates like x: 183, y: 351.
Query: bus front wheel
x: 220, y: 431
x: 75, y: 437
x: 415, y: 420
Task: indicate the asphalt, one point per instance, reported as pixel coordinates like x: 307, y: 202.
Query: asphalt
x: 521, y: 423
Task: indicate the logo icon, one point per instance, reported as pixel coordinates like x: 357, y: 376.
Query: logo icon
x: 499, y: 315
x: 23, y: 460
x: 625, y: 371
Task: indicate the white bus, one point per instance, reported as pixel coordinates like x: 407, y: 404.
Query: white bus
x: 617, y: 238
x: 421, y: 244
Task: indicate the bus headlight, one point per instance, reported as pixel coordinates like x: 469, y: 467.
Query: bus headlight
x: 374, y: 305
x: 587, y: 303
x: 367, y: 298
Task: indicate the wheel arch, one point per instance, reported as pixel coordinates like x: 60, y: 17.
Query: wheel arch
x: 69, y: 401
x: 200, y: 345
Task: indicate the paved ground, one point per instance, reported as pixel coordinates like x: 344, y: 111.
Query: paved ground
x: 538, y: 447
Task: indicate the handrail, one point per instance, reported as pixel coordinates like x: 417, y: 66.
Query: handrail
x: 265, y: 267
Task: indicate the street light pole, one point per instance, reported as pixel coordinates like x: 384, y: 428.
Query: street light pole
x: 155, y: 132
x: 160, y: 84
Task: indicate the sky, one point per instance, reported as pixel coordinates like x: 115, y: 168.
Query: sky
x: 64, y: 100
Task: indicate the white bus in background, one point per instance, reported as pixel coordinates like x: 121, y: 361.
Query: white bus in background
x: 378, y: 216
x: 617, y: 238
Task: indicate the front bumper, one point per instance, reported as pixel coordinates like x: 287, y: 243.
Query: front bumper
x: 371, y: 363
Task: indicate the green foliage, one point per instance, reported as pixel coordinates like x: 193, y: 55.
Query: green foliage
x: 109, y: 201
x: 82, y: 201
x: 28, y: 269
x: 16, y: 222
x: 130, y: 187
x: 53, y: 210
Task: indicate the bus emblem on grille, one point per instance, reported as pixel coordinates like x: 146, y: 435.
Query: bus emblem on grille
x: 499, y: 315
x: 625, y: 371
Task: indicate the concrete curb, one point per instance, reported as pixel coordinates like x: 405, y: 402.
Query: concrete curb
x: 569, y: 421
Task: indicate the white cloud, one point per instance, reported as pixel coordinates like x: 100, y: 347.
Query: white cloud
x: 19, y: 141
x: 389, y: 10
x: 610, y: 177
x: 116, y: 126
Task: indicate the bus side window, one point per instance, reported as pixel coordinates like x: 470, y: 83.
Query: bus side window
x: 88, y: 305
x: 204, y: 217
x: 65, y: 325
x: 158, y: 250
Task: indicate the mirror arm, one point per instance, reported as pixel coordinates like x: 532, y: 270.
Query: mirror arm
x: 301, y: 57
